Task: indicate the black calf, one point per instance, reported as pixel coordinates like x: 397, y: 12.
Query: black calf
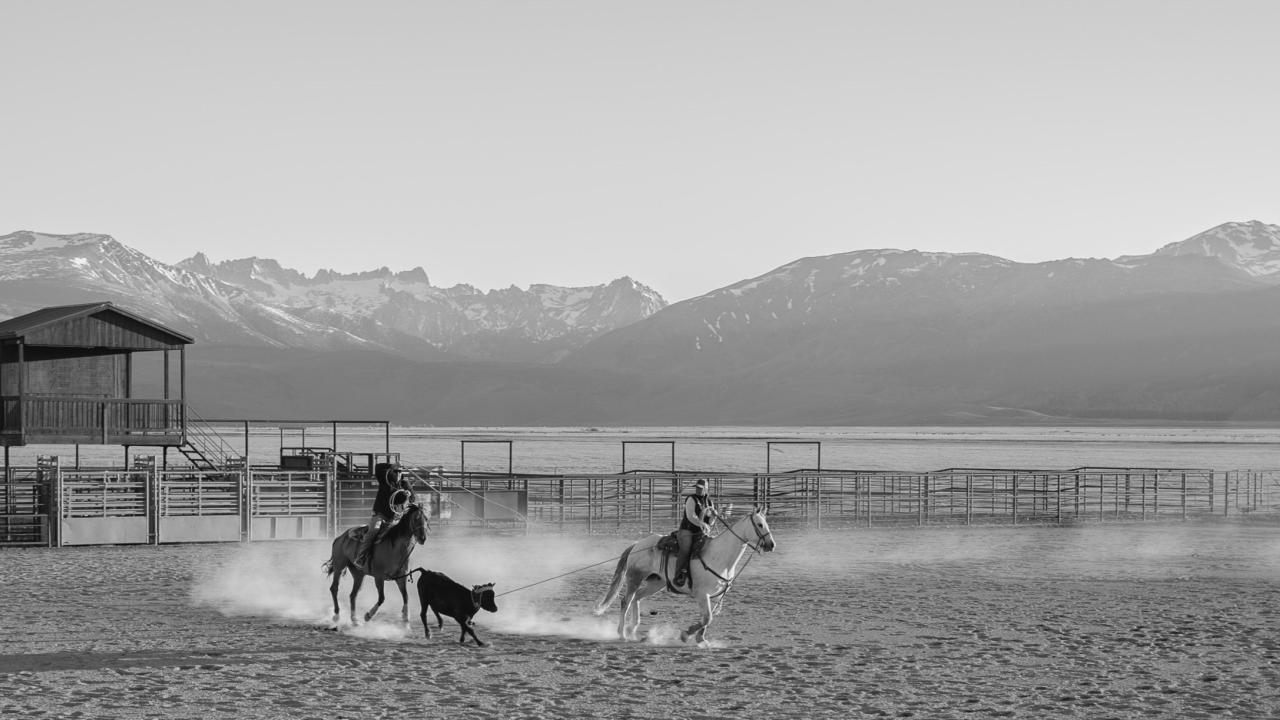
x: 444, y: 596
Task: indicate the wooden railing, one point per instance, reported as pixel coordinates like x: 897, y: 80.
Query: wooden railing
x: 93, y: 420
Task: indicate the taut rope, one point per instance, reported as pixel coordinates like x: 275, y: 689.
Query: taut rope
x: 557, y: 577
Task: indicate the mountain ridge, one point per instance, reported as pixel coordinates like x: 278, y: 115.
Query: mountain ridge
x: 866, y: 336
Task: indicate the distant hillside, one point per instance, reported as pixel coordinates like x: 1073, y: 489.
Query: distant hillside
x: 269, y: 383
x: 257, y: 303
x: 1190, y: 332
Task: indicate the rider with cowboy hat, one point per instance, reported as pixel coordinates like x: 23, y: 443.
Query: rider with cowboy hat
x: 388, y: 505
x: 695, y: 522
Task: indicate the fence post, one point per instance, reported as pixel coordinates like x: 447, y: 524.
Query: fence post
x: 1184, y: 496
x: 920, y: 483
x: 1077, y: 512
x: 1226, y: 493
x: 650, y: 504
x: 819, y: 494
x: 1057, y: 496
x: 1014, y: 480
x: 968, y: 499
x: 868, y: 477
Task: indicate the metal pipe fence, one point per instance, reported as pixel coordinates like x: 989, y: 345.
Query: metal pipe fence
x: 958, y: 496
x: 56, y: 506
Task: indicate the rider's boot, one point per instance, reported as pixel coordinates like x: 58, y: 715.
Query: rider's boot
x: 361, y: 560
x: 682, y: 574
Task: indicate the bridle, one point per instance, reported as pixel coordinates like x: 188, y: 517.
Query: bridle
x: 759, y: 538
x: 422, y: 517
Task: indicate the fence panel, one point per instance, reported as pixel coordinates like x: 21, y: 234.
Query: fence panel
x: 24, y: 508
x: 290, y: 505
x: 104, y: 507
x: 199, y: 506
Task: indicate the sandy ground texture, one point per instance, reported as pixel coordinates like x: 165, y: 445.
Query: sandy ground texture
x: 1120, y: 621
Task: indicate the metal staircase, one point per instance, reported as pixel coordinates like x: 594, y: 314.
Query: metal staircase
x: 204, y: 448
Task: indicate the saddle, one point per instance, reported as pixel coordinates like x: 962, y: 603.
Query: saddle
x: 669, y: 546
x: 357, y: 533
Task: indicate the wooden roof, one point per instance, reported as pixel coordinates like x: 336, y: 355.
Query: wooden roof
x: 91, y: 325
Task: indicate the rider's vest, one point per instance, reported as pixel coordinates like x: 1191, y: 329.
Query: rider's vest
x: 702, y: 508
x: 382, y: 502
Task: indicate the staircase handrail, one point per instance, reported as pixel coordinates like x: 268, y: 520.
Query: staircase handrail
x: 202, y: 437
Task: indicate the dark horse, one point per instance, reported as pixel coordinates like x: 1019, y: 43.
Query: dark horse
x: 389, y: 560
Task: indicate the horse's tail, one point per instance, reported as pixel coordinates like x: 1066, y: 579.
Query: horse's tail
x: 615, y: 587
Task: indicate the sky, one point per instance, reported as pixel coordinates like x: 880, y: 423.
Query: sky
x: 686, y: 144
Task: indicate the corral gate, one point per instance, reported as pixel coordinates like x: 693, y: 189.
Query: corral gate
x: 290, y: 504
x: 24, y: 508
x: 143, y: 505
x: 103, y: 507
x: 199, y: 506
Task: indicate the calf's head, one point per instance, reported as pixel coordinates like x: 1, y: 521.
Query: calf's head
x: 483, y: 596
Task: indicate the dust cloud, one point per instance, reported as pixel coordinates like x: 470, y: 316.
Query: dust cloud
x: 546, y: 585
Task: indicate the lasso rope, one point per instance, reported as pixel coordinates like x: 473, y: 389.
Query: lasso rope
x: 557, y: 577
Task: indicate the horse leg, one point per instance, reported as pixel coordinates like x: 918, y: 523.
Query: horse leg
x: 633, y: 617
x: 425, y: 625
x: 377, y: 582
x: 357, y: 579
x: 698, y: 630
x: 404, y: 600
x: 624, y: 613
x: 333, y: 591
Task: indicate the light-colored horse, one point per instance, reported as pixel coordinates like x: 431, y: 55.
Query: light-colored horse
x: 641, y: 573
x: 388, y: 560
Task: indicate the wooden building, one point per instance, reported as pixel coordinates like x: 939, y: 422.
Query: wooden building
x: 91, y: 374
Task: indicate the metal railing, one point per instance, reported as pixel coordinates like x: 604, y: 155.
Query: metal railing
x: 108, y: 505
x: 956, y: 496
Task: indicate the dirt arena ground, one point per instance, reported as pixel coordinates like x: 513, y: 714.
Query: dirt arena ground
x: 1117, y: 621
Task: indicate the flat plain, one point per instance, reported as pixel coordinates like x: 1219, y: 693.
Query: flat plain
x: 1169, y: 620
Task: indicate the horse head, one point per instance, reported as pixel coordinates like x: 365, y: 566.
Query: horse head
x: 484, y: 597
x: 417, y: 518
x: 761, y: 527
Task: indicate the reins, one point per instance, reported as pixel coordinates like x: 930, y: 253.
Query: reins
x: 728, y: 582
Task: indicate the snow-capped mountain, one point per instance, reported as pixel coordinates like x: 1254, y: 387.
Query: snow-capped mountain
x: 1190, y: 331
x: 256, y: 301
x: 539, y: 324
x: 38, y: 269
x: 902, y: 333
x: 1253, y: 247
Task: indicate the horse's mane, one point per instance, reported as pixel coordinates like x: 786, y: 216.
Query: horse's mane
x: 403, y: 526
